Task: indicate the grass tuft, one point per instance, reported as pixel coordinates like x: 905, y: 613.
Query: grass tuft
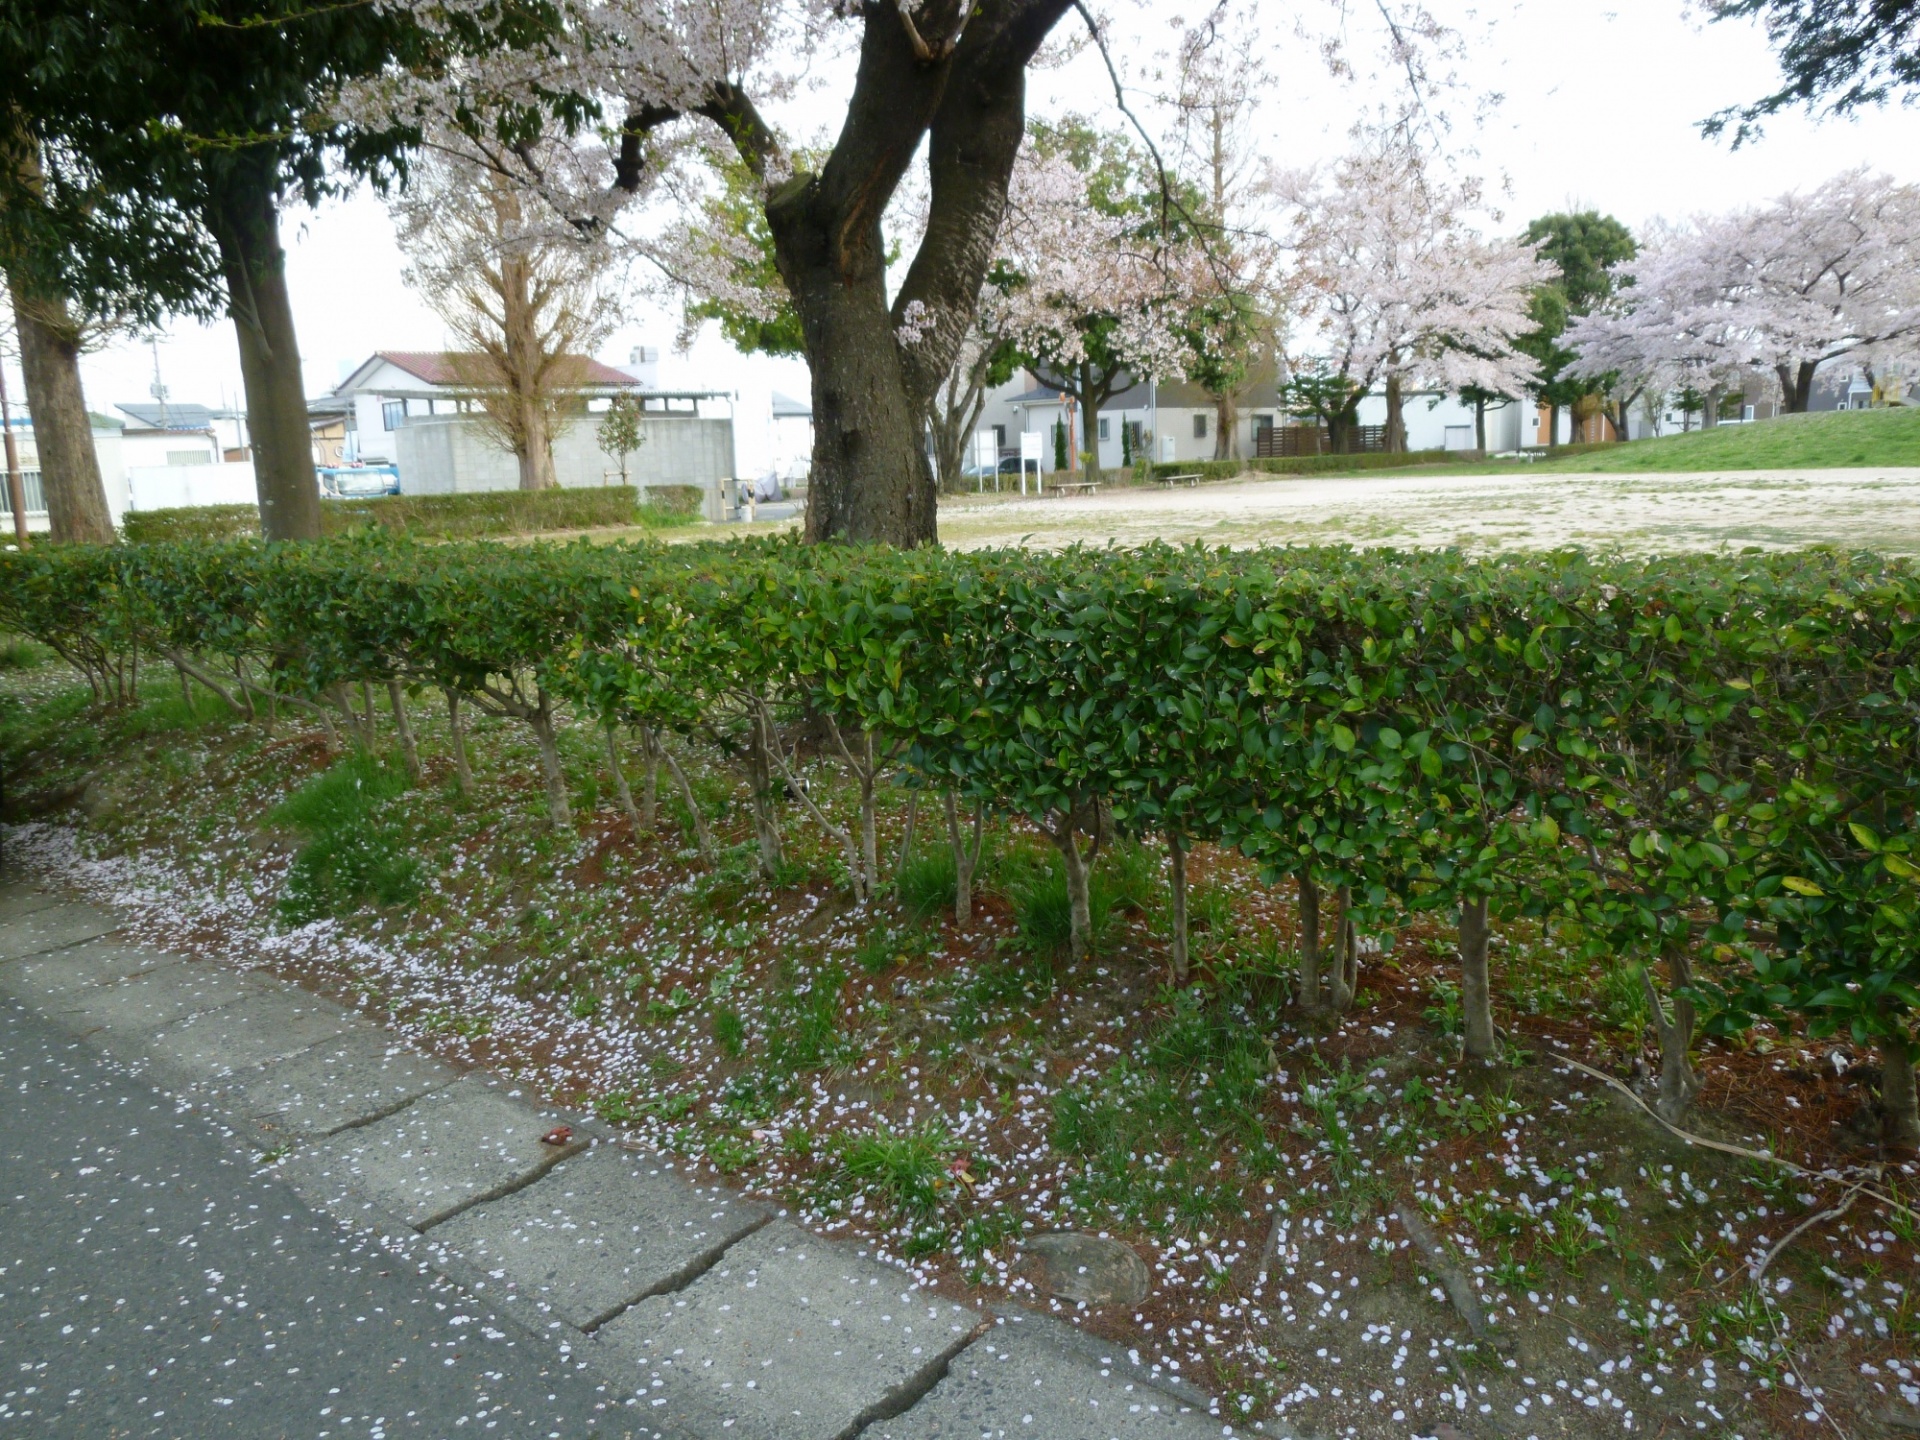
x: 352, y: 854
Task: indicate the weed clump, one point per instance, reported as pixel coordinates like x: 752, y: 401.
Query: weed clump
x: 353, y: 854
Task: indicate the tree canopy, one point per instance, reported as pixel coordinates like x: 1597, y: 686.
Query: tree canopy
x: 1835, y: 55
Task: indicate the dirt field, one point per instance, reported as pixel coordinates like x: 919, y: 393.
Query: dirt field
x: 1876, y: 508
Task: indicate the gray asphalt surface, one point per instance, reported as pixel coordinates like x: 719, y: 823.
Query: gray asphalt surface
x: 153, y: 1283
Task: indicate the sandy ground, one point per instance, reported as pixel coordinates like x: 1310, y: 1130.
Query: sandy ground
x: 1867, y: 508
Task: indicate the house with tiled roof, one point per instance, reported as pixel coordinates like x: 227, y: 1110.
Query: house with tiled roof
x: 390, y: 387
x: 416, y: 410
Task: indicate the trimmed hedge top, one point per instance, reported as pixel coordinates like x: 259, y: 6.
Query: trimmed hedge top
x: 1712, y: 752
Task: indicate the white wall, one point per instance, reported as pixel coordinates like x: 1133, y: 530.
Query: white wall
x: 450, y: 454
x: 142, y: 448
x: 164, y: 487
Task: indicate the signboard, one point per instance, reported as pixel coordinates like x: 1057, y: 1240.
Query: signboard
x: 1031, y: 454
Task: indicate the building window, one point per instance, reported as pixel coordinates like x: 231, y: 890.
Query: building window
x: 1106, y: 431
x: 392, y: 412
x: 999, y: 437
x: 1200, y: 426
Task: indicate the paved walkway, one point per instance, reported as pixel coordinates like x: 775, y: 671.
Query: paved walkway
x: 153, y: 1282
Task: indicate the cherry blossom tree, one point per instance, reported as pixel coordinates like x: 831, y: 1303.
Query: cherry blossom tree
x: 1829, y: 277
x: 1101, y: 284
x: 1397, y: 289
x: 943, y: 79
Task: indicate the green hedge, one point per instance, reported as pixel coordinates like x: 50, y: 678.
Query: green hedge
x: 440, y: 517
x: 1312, y: 464
x: 1708, y: 765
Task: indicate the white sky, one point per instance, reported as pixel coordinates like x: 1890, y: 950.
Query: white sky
x: 1601, y: 109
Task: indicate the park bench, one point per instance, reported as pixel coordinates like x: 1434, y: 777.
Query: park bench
x: 1167, y: 482
x: 1077, y: 487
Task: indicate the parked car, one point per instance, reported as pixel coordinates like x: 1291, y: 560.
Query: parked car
x: 358, y: 482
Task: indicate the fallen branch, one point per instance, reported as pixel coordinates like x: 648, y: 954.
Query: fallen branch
x: 1818, y: 1218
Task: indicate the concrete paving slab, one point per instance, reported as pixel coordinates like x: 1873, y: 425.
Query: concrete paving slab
x: 124, y: 1013
x: 788, y: 1337
x: 443, y: 1153
x: 362, y: 1074
x: 46, y: 981
x: 598, y: 1232
x: 20, y: 897
x: 49, y: 927
x: 1015, y: 1381
x: 279, y: 1021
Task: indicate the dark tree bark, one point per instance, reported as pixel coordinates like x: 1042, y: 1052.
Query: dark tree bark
x: 1396, y: 441
x: 244, y: 215
x: 1177, y: 862
x: 951, y: 74
x: 69, y: 466
x: 1900, y: 1114
x: 1796, y: 386
x: 1480, y: 423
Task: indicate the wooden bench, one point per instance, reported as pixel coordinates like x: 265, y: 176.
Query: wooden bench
x: 1077, y: 487
x: 1167, y: 482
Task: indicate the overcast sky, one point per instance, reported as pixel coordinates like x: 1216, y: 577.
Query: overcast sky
x: 1601, y: 108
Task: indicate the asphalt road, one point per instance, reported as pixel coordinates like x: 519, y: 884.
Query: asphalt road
x: 153, y: 1283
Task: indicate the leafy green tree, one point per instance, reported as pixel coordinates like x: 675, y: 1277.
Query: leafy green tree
x: 1583, y: 247
x: 1333, y: 399
x: 174, y: 136
x: 621, y: 431
x: 1840, y: 57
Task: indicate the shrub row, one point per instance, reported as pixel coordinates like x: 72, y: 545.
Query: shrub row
x: 441, y: 517
x: 1311, y: 464
x: 1703, y: 768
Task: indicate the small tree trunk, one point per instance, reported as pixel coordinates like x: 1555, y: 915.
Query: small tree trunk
x: 650, y: 781
x: 620, y: 787
x: 368, y: 718
x: 1480, y: 423
x: 966, y: 858
x: 243, y: 691
x: 702, y: 836
x: 906, y: 837
x: 1553, y: 424
x: 457, y: 726
x: 1079, y: 897
x: 186, y: 689
x: 869, y: 829
x: 1476, y: 992
x: 766, y: 826
x: 559, y: 808
x: 62, y: 433
x: 1343, y: 975
x: 1309, y: 943
x: 1901, y: 1119
x: 409, y: 750
x: 1177, y: 862
x: 1089, y: 424
x: 244, y: 217
x: 1678, y: 1084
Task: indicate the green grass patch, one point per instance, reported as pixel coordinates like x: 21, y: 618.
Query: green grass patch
x: 354, y: 853
x: 1830, y: 440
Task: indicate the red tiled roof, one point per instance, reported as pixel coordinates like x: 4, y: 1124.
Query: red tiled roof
x: 442, y: 367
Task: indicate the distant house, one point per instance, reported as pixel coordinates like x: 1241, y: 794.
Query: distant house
x: 415, y: 409
x: 164, y: 434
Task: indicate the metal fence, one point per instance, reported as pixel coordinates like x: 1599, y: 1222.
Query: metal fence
x: 36, y: 497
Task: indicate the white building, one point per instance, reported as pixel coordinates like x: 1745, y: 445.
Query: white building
x: 414, y: 410
x: 1174, y: 422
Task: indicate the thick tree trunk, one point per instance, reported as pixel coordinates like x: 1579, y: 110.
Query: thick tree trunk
x: 62, y: 433
x: 1343, y: 979
x: 1553, y: 424
x: 1796, y: 386
x: 1480, y: 423
x: 1900, y: 1120
x: 1079, y: 896
x: 1396, y: 441
x: 1710, y: 412
x: 528, y: 419
x: 1177, y: 862
x: 1476, y: 991
x: 1089, y: 424
x: 244, y: 217
x: 1226, y: 426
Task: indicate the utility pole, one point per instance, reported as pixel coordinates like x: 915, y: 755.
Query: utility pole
x: 16, y: 482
